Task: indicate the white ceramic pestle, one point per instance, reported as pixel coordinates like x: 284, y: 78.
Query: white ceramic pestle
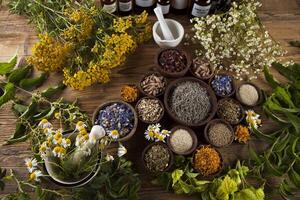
x: 164, y: 27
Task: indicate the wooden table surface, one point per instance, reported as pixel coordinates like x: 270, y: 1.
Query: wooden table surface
x: 281, y: 18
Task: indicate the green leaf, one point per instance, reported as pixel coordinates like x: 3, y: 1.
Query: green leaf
x: 272, y: 169
x: 294, y: 120
x: 191, y: 175
x: 250, y: 194
x: 259, y: 134
x: 31, y: 83
x: 285, y: 71
x: 9, y: 94
x: 176, y: 176
x: 294, y: 177
x: 19, y: 109
x: 295, y: 43
x: 280, y: 146
x: 227, y: 187
x: 293, y: 148
x: 270, y: 79
x: 6, y: 67
x: 50, y: 92
x: 31, y: 110
x: 185, y: 187
x: 254, y: 156
x: 17, y: 75
x: 284, y: 95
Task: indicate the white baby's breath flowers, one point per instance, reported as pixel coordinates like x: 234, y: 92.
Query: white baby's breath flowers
x: 236, y: 40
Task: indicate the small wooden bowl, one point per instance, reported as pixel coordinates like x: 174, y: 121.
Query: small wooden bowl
x: 211, y: 94
x: 172, y: 74
x: 232, y: 84
x: 211, y: 176
x: 148, y: 74
x: 171, y: 161
x: 193, y: 135
x: 213, y: 122
x: 129, y: 135
x: 201, y: 78
x: 238, y: 103
x: 260, y: 96
x: 150, y: 122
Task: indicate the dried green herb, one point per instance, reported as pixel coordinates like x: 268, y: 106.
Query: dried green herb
x: 157, y: 158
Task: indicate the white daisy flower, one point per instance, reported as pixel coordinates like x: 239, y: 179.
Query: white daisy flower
x: 35, y: 175
x: 149, y: 135
x: 80, y: 125
x: 66, y: 142
x: 121, y: 150
x: 31, y: 164
x: 166, y: 133
x: 160, y: 137
x: 114, y: 134
x: 45, y: 124
x: 109, y: 158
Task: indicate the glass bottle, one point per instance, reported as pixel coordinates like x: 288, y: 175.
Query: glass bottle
x: 141, y: 5
x: 200, y: 8
x: 109, y: 5
x: 179, y: 6
x: 165, y: 6
x: 125, y: 7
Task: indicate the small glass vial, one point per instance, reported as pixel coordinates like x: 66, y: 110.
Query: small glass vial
x: 179, y: 6
x: 125, y: 7
x: 141, y: 5
x: 109, y: 6
x: 200, y: 8
x: 165, y: 6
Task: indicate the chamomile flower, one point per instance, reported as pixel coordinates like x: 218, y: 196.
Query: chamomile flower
x: 43, y: 147
x: 109, y: 158
x: 121, y: 150
x: 57, y: 115
x: 149, y: 135
x: 80, y: 125
x: 66, y: 142
x: 31, y: 164
x: 59, y: 151
x: 57, y: 138
x: 114, y: 134
x: 154, y: 127
x: 35, y: 175
x: 45, y: 124
x: 160, y: 138
x: 253, y: 119
x: 165, y: 132
x: 47, y: 131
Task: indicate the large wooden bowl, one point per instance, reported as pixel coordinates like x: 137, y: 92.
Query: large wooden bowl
x: 211, y: 95
x: 131, y: 133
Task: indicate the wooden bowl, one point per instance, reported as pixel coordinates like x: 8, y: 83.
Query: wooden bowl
x: 129, y: 135
x: 170, y: 152
x: 172, y: 74
x: 211, y: 94
x: 238, y: 103
x: 232, y: 84
x: 213, y: 122
x: 260, y: 95
x: 148, y: 74
x: 211, y: 176
x: 150, y: 122
x: 201, y: 78
x: 193, y: 135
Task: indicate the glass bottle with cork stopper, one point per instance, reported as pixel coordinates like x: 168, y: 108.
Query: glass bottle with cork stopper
x: 141, y: 5
x: 125, y: 7
x: 200, y: 8
x: 164, y: 5
x: 109, y: 6
x: 179, y: 6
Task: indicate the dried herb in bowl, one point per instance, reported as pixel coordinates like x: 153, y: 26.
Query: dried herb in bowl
x: 223, y: 85
x: 207, y: 160
x: 129, y: 93
x: 157, y: 157
x: 230, y: 110
x: 153, y: 84
x: 150, y: 110
x: 219, y: 133
x: 118, y: 119
x: 172, y: 60
x: 201, y: 69
x: 190, y: 102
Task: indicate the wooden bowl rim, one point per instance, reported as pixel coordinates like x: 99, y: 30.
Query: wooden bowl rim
x: 150, y: 122
x: 131, y: 133
x: 148, y: 74
x: 191, y: 132
x: 171, y: 161
x: 201, y: 78
x: 259, y: 91
x: 173, y: 74
x: 238, y: 103
x: 211, y: 94
x: 213, y: 122
x: 233, y: 84
x: 211, y: 175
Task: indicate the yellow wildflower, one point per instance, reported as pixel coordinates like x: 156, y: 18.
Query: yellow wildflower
x: 57, y: 115
x: 121, y: 24
x: 142, y: 18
